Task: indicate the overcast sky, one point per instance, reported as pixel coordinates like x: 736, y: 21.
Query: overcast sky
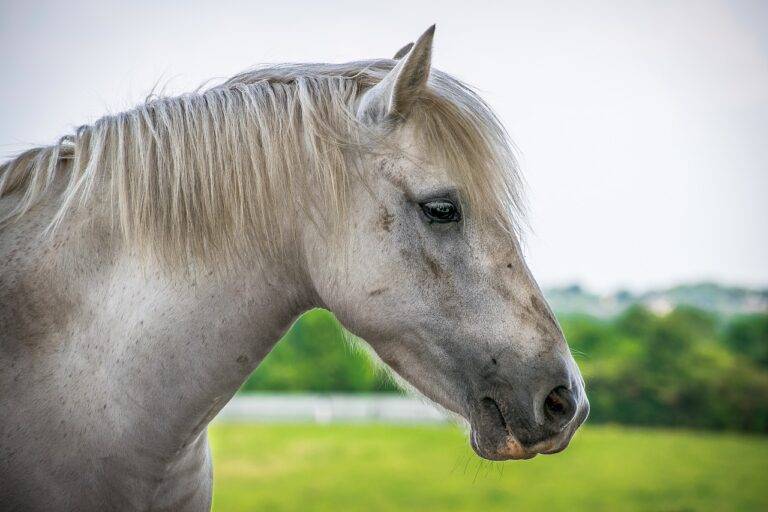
x: 642, y: 126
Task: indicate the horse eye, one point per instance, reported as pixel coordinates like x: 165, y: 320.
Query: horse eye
x: 441, y: 211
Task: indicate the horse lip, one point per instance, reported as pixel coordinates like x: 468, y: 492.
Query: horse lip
x: 501, y: 443
x: 556, y: 449
x: 509, y: 449
x: 515, y: 450
x: 553, y: 445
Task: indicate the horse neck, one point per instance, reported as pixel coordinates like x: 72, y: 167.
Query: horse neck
x: 198, y: 340
x: 155, y: 355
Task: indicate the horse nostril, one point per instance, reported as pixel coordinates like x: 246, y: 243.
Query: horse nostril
x: 492, y: 411
x: 559, y: 407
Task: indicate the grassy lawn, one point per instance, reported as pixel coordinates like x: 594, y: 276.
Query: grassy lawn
x: 384, y: 467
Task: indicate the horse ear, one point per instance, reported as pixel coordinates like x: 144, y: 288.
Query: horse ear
x: 402, y: 52
x: 394, y: 96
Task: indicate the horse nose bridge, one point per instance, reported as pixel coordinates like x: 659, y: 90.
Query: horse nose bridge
x: 540, y: 361
x: 531, y: 327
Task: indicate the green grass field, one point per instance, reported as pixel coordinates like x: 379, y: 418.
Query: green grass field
x: 394, y: 468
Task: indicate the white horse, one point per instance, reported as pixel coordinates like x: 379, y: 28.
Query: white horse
x: 182, y: 238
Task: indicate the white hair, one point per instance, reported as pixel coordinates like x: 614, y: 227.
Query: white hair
x: 215, y: 175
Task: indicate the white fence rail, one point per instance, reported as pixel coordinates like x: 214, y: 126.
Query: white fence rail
x: 329, y: 408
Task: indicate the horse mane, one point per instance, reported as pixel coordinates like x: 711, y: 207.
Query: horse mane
x: 217, y: 174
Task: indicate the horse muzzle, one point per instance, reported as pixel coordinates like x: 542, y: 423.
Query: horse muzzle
x: 502, y: 430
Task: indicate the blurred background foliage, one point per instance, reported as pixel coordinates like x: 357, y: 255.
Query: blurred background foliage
x: 685, y: 368
x: 314, y: 356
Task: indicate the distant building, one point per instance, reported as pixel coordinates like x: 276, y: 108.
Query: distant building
x: 659, y: 305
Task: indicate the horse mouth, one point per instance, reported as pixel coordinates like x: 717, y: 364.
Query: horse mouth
x: 493, y: 438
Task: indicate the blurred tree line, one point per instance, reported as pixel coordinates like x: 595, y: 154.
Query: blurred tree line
x: 688, y: 368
